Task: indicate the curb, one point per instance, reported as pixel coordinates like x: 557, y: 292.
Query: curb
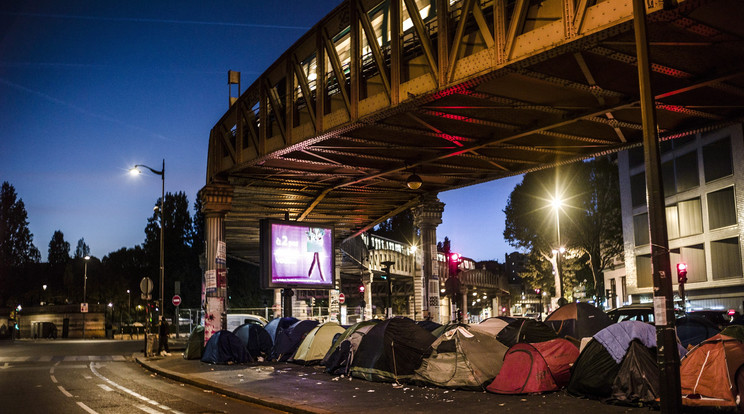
x: 270, y: 402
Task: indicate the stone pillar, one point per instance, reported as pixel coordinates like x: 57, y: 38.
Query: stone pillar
x: 464, y: 298
x: 277, y: 308
x: 427, y: 216
x: 216, y: 201
x: 367, y: 282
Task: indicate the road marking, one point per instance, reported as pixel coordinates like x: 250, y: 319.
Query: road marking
x: 87, y: 377
x: 54, y: 379
x: 6, y: 366
x: 105, y: 387
x: 51, y: 371
x: 132, y: 393
x: 86, y: 408
x: 64, y: 391
x: 148, y: 409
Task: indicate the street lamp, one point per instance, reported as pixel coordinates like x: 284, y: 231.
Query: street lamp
x: 557, y: 204
x: 135, y: 171
x: 85, y: 289
x: 129, y: 307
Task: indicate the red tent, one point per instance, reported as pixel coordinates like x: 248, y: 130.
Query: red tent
x: 535, y: 367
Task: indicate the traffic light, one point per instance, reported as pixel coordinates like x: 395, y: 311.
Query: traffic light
x: 681, y: 272
x: 454, y: 263
x: 361, y: 291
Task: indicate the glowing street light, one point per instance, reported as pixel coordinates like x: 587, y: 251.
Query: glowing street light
x: 557, y: 204
x: 136, y: 171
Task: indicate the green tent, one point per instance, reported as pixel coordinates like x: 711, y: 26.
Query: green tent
x: 346, y: 334
x: 195, y: 345
x: 462, y: 358
x: 317, y: 342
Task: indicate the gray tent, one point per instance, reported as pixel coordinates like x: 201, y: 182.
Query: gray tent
x: 462, y: 358
x: 195, y: 345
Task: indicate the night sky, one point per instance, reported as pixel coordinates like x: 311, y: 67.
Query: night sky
x: 90, y: 88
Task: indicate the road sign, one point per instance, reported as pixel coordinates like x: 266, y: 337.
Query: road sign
x: 84, y: 307
x: 176, y: 300
x: 146, y: 285
x: 341, y: 298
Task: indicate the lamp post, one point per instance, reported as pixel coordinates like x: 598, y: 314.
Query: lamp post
x: 134, y: 171
x: 85, y: 289
x: 129, y: 307
x: 557, y: 203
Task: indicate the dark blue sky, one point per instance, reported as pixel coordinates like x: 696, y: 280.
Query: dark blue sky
x: 89, y: 88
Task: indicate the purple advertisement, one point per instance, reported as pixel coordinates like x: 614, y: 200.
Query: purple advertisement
x: 301, y: 255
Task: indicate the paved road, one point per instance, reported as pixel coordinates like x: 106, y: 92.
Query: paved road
x: 97, y: 377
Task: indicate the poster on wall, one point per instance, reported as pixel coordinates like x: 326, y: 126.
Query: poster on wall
x: 295, y: 254
x: 211, y: 279
x: 213, y: 317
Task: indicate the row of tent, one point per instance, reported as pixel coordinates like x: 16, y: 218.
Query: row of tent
x: 617, y: 361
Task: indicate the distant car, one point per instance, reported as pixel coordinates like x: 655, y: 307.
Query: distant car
x: 236, y: 319
x: 719, y: 318
x: 643, y: 312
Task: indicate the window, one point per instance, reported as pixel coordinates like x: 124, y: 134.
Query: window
x: 640, y: 228
x: 672, y: 219
x: 667, y: 177
x: 717, y: 159
x: 638, y: 189
x: 694, y: 257
x: 690, y: 217
x: 721, y: 208
x: 635, y: 157
x: 623, y: 290
x: 686, y: 170
x: 643, y: 271
x: 725, y: 258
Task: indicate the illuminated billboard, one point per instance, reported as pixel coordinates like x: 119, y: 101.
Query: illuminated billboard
x: 295, y: 254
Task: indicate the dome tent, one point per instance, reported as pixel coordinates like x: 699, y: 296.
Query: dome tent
x: 317, y: 342
x: 538, y: 367
x: 256, y: 340
x: 339, y: 358
x: 711, y: 374
x: 224, y: 347
x: 578, y: 320
x: 287, y: 340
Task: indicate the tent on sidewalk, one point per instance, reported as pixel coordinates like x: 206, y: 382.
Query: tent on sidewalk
x: 594, y: 372
x: 462, y: 358
x: 538, y: 367
x: 578, y: 320
x: 342, y: 353
x: 734, y: 331
x: 391, y: 350
x: 637, y: 380
x: 256, y: 340
x: 428, y: 325
x: 317, y: 342
x: 195, y: 344
x: 287, y: 340
x: 493, y: 326
x: 525, y: 330
x: 224, y: 347
x: 692, y: 330
x: 278, y: 324
x: 346, y: 334
x: 711, y: 374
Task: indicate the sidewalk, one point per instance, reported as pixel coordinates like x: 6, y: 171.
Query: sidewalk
x: 308, y: 389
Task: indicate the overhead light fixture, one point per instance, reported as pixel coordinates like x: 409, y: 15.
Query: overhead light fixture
x: 414, y: 182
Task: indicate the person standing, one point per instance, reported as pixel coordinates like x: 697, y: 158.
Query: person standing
x: 163, y: 337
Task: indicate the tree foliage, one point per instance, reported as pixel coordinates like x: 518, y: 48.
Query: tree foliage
x: 16, y: 241
x: 399, y: 228
x: 82, y: 249
x: 588, y: 221
x: 59, y: 250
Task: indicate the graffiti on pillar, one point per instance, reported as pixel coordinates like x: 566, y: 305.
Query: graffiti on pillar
x: 213, y: 317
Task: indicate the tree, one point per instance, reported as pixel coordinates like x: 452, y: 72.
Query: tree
x: 16, y: 241
x: 59, y: 250
x: 589, y: 218
x: 82, y: 249
x: 399, y: 227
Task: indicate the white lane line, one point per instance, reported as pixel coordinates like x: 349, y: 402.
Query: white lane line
x: 130, y: 392
x: 105, y: 387
x: 148, y: 409
x: 86, y: 408
x: 51, y: 371
x: 87, y: 377
x: 57, y: 363
x: 64, y: 391
x: 54, y: 379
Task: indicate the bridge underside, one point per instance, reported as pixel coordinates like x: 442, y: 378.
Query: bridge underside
x: 568, y: 101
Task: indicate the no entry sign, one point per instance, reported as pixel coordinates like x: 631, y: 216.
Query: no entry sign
x: 176, y: 300
x: 341, y: 298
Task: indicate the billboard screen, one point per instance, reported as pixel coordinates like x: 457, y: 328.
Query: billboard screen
x: 297, y: 255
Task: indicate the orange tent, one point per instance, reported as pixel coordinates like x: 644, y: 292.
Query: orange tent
x: 710, y: 373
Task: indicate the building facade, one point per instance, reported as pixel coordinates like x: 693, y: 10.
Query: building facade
x: 703, y: 179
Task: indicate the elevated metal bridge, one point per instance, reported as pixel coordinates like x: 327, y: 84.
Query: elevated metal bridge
x: 458, y: 92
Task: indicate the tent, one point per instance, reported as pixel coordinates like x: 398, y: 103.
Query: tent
x: 462, y: 358
x: 578, y: 320
x: 691, y: 330
x: 317, y: 342
x: 711, y: 373
x: 539, y: 367
x: 446, y: 327
x: 256, y: 340
x: 287, y: 340
x: 525, y: 330
x: 493, y: 326
x: 637, y: 380
x: 598, y: 364
x: 224, y: 347
x: 391, y: 350
x: 346, y: 334
x: 734, y: 331
x: 339, y: 361
x: 195, y: 344
x: 278, y: 324
x: 428, y: 325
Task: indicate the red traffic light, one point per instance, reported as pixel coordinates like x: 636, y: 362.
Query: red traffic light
x: 361, y: 288
x: 681, y: 272
x: 455, y: 257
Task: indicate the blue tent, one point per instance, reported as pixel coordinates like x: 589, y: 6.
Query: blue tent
x: 278, y: 324
x: 256, y: 340
x: 288, y: 340
x: 224, y: 347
